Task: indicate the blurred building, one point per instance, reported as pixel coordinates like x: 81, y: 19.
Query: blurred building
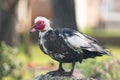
x: 93, y: 13
x: 90, y: 13
x: 28, y: 10
x: 41, y: 8
x: 110, y: 10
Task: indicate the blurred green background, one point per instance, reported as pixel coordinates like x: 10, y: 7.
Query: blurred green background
x: 20, y: 56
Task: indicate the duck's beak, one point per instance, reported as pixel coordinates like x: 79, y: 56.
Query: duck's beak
x: 33, y: 29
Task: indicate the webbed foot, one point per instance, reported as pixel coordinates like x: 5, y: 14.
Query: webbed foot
x: 59, y: 73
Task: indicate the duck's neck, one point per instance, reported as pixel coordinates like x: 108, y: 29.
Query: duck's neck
x: 41, y: 33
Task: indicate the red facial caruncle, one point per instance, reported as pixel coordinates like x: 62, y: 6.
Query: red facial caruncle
x: 39, y: 25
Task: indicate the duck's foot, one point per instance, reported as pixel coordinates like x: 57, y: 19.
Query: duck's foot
x: 59, y: 73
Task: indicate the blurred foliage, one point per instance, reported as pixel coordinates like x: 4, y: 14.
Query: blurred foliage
x: 13, y: 59
x: 100, y: 70
x: 88, y: 68
x: 10, y: 65
x: 108, y: 70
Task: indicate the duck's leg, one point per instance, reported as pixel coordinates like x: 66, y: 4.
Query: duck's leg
x: 71, y: 71
x: 61, y: 71
x: 73, y: 66
x: 57, y: 72
x: 60, y: 67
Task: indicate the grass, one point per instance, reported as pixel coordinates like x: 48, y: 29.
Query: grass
x: 38, y: 57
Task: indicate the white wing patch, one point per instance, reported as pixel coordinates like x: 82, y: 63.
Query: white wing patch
x: 77, y: 41
x: 82, y: 37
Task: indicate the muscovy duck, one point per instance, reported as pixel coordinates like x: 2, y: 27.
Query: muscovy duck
x: 65, y: 45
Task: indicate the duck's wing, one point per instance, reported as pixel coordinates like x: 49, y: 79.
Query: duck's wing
x: 78, y: 41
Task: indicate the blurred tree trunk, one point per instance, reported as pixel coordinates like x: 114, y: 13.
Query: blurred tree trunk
x: 7, y: 21
x: 64, y: 13
x: 0, y: 16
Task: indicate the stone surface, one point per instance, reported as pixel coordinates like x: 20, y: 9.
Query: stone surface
x: 46, y: 77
